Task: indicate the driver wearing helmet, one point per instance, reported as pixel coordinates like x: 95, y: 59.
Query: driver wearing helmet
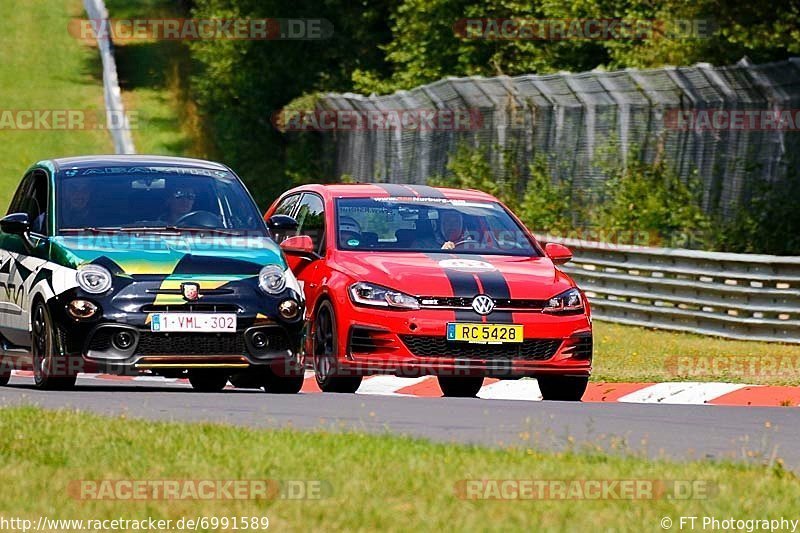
x: 179, y: 203
x: 349, y: 232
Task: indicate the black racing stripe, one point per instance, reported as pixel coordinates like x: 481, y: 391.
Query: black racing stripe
x: 496, y: 286
x: 426, y: 191
x: 394, y: 189
x: 463, y: 284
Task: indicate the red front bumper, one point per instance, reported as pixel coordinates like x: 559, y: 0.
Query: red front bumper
x: 413, y: 343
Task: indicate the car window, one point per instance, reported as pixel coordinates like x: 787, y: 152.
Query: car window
x: 287, y: 205
x: 429, y: 225
x: 36, y: 206
x: 17, y: 204
x: 311, y: 219
x: 153, y: 197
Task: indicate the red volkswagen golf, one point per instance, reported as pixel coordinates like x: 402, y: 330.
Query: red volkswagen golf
x: 413, y: 280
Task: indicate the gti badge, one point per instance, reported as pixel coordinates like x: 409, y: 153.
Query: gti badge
x: 190, y: 291
x: 482, y: 304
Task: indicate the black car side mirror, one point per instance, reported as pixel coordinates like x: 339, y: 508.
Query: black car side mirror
x: 281, y: 223
x: 15, y: 224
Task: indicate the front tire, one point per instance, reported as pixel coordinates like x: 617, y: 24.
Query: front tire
x: 460, y: 387
x: 563, y: 388
x: 326, y: 354
x: 207, y: 380
x: 45, y: 347
x: 5, y: 372
x: 275, y: 384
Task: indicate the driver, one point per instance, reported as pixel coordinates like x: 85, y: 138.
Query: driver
x: 451, y: 226
x: 179, y: 203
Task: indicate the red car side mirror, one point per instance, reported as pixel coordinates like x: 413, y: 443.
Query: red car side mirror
x: 298, y: 245
x: 558, y: 253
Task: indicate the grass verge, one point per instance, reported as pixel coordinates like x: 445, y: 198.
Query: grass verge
x: 635, y: 354
x: 374, y: 482
x: 154, y: 81
x: 44, y: 68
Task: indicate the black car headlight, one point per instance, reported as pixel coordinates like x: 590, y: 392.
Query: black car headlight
x: 376, y: 295
x: 94, y: 279
x: 567, y: 302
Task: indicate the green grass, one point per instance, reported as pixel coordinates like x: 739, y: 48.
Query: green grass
x: 372, y: 482
x: 154, y: 80
x: 634, y: 354
x: 44, y: 67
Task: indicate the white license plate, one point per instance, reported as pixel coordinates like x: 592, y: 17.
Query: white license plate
x: 196, y: 322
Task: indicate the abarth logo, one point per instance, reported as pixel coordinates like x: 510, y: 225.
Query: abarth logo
x: 190, y: 291
x: 482, y: 304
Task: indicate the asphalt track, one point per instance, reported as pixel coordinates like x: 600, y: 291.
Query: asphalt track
x: 655, y: 430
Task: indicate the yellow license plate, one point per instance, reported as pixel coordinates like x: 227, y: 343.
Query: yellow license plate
x: 484, y: 333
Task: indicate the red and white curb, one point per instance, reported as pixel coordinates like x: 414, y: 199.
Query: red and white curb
x: 685, y: 392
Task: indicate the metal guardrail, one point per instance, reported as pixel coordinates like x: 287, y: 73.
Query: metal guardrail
x: 116, y: 119
x: 738, y: 296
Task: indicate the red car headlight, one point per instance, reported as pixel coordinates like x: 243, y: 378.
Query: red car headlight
x: 376, y: 295
x: 570, y: 301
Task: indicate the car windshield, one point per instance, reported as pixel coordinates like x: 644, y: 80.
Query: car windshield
x: 429, y: 225
x: 153, y: 198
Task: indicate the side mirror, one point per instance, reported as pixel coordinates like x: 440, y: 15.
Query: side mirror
x: 281, y: 223
x: 558, y: 253
x: 299, y: 245
x: 15, y: 224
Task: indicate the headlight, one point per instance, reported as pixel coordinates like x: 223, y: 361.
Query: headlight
x: 272, y: 279
x: 370, y: 294
x: 567, y: 301
x: 94, y: 279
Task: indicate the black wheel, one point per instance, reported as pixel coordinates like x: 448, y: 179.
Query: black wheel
x: 460, y: 387
x: 325, y: 353
x: 51, y: 369
x: 208, y: 380
x: 562, y: 388
x: 5, y: 372
x: 275, y: 384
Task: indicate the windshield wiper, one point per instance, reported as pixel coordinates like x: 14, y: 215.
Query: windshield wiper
x: 90, y: 229
x: 177, y: 229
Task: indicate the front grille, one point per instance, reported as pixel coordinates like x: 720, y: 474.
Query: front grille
x: 499, y: 303
x: 190, y: 344
x: 191, y: 308
x: 101, y: 340
x: 528, y: 350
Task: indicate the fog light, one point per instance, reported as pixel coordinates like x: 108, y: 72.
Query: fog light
x: 260, y: 340
x: 81, y: 309
x: 122, y: 340
x: 289, y: 309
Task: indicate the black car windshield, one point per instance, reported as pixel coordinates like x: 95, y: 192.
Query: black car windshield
x: 152, y: 198
x: 429, y: 225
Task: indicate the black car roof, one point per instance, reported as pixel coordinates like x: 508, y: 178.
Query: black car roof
x: 97, y: 161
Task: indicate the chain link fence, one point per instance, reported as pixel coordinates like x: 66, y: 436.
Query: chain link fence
x: 571, y: 118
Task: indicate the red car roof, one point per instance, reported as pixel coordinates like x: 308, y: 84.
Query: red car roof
x: 385, y: 190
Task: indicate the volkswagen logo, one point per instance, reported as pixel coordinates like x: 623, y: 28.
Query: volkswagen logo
x: 482, y: 304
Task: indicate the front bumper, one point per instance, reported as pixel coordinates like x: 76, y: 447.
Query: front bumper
x: 413, y: 343
x: 96, y: 340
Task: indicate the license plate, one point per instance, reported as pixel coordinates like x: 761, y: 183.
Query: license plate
x: 484, y: 333
x: 193, y: 322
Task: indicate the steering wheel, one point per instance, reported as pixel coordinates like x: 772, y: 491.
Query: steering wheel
x: 463, y: 241
x: 206, y: 219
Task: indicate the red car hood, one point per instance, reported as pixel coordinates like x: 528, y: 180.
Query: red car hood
x: 457, y: 274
